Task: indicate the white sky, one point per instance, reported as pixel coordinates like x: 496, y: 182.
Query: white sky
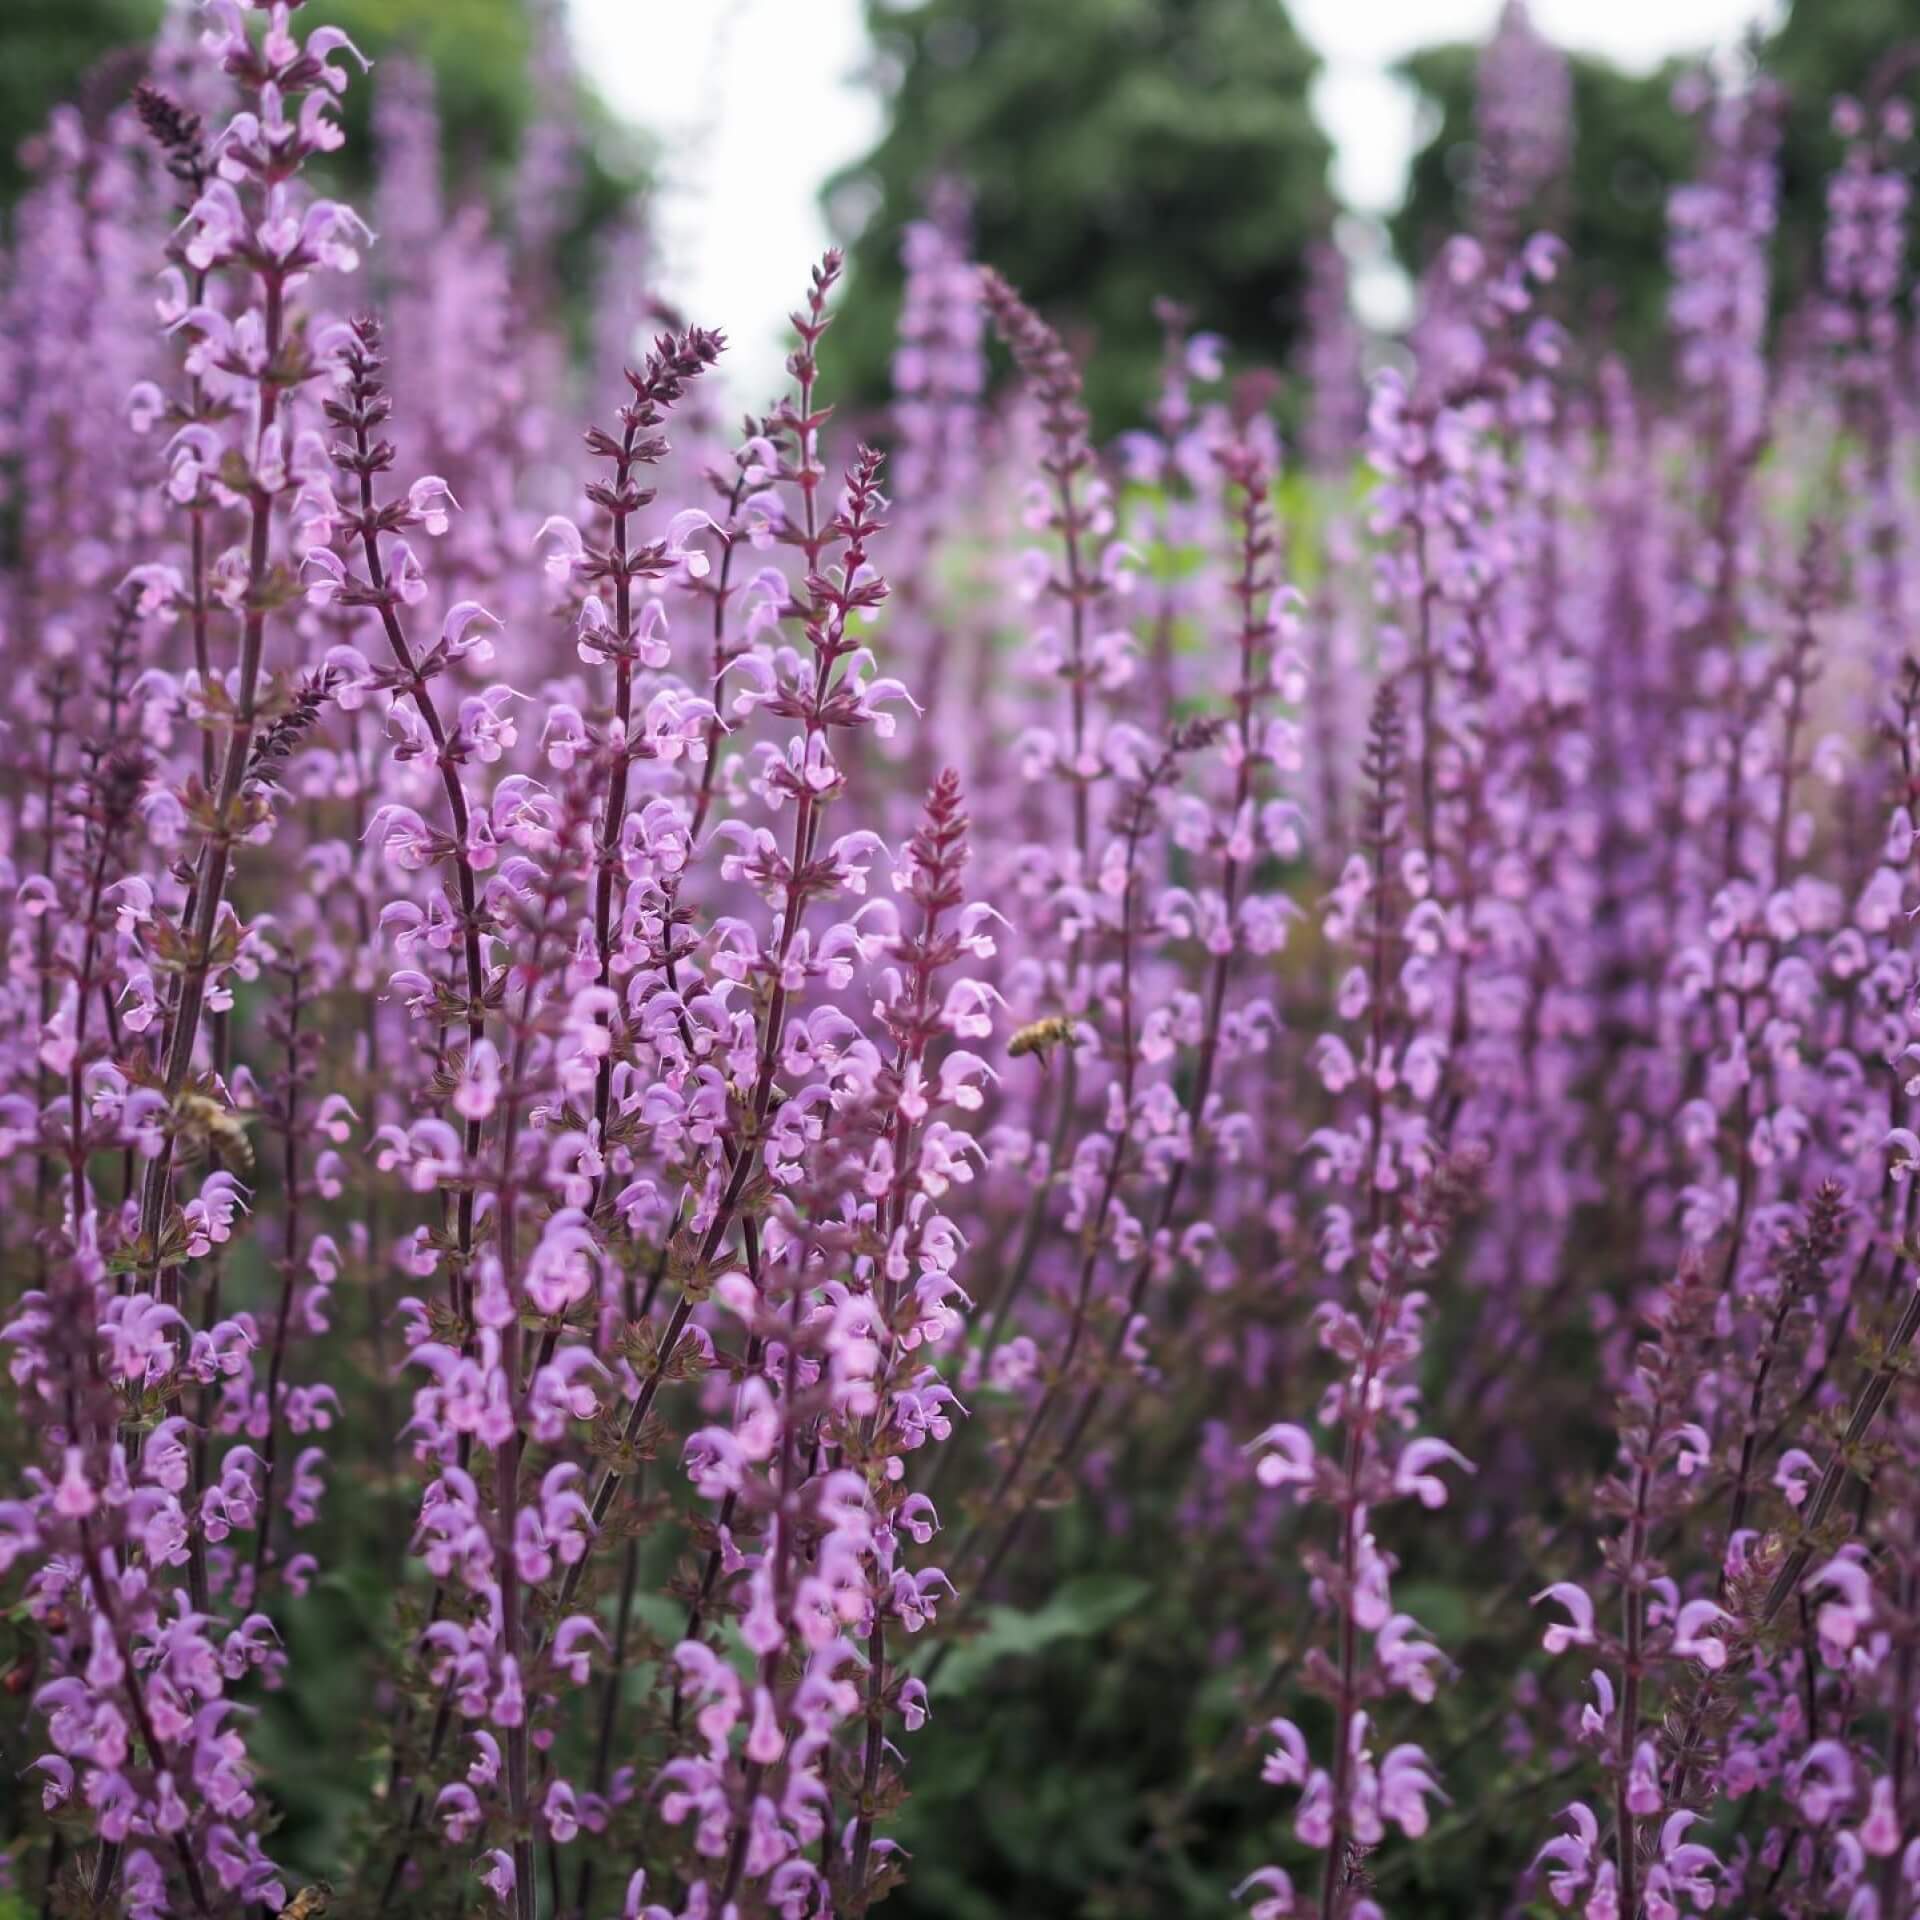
x: 756, y: 102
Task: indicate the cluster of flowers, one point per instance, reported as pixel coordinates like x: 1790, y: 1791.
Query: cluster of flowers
x: 670, y: 1047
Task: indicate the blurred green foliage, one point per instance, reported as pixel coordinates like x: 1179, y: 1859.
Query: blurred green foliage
x: 481, y: 52
x: 1820, y: 50
x: 51, y: 45
x: 1116, y: 150
x: 483, y: 57
x: 1630, y: 145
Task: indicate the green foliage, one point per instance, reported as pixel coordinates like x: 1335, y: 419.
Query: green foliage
x: 1819, y: 51
x: 1058, y: 1738
x: 483, y: 57
x: 1078, y: 1609
x: 52, y: 46
x: 1117, y: 150
x: 479, y: 49
x: 1629, y: 146
x: 481, y: 53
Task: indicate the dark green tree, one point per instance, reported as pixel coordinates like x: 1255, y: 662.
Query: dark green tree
x: 1864, y: 48
x: 1116, y: 150
x: 482, y: 53
x: 51, y: 47
x: 1629, y: 146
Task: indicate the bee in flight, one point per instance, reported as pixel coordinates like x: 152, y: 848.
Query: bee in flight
x: 1041, y: 1037
x: 218, y: 1129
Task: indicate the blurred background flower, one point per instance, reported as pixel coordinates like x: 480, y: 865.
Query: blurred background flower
x: 1202, y: 144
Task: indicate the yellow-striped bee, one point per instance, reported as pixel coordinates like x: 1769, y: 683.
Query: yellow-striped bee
x: 1041, y: 1037
x: 199, y: 1119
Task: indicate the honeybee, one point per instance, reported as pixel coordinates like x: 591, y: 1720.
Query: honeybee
x: 309, y: 1903
x: 1041, y: 1037
x: 201, y: 1118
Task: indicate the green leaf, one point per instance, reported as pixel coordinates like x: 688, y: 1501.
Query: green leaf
x: 1083, y: 1607
x: 1445, y: 1611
